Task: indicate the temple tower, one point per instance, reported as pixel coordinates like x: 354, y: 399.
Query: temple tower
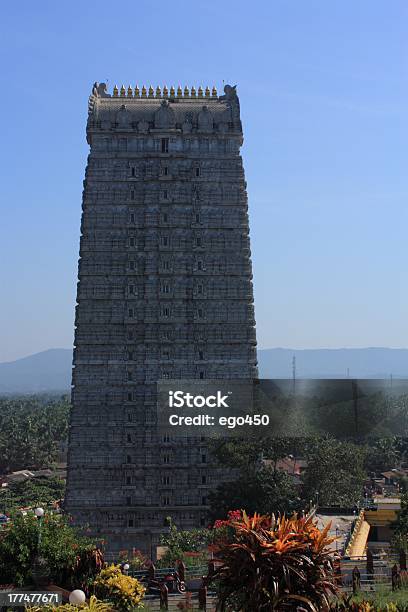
x: 164, y: 291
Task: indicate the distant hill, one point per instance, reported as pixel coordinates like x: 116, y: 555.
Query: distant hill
x: 51, y: 370
x: 43, y: 372
x: 334, y: 363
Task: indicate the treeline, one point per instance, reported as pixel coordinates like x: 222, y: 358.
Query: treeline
x: 31, y: 493
x: 335, y: 472
x: 32, y: 429
x: 334, y: 408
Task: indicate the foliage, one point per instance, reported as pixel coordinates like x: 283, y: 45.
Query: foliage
x: 18, y: 547
x: 382, y: 454
x: 402, y: 447
x: 72, y: 560
x: 339, y: 409
x: 31, y: 493
x: 368, y: 415
x: 124, y: 592
x: 400, y: 527
x: 181, y: 542
x: 190, y: 560
x: 253, y: 485
x: 237, y: 453
x: 138, y: 561
x: 262, y: 489
x: 335, y: 472
x: 88, y: 563
x: 275, y: 564
x: 402, y: 482
x: 93, y: 605
x: 233, y: 515
x: 192, y: 540
x: 380, y: 601
x: 335, y: 475
x: 31, y: 429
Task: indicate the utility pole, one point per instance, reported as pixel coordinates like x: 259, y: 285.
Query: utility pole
x: 355, y: 406
x: 294, y: 373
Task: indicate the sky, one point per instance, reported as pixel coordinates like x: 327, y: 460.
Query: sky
x: 323, y: 90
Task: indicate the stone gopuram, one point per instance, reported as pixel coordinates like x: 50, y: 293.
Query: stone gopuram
x: 164, y: 291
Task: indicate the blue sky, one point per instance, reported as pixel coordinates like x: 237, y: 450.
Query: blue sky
x: 323, y: 90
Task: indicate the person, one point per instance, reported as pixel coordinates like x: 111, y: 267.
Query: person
x: 395, y: 577
x: 403, y: 560
x: 370, y: 564
x: 151, y: 572
x: 356, y: 577
x: 202, y: 597
x: 164, y: 597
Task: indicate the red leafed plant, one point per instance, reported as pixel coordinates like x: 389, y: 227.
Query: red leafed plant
x: 233, y: 515
x: 275, y: 564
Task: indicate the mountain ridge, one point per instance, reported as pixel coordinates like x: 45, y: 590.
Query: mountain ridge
x: 50, y: 370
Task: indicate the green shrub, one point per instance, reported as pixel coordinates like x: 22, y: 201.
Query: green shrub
x: 72, y: 560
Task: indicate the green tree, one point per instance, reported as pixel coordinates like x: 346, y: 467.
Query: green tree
x: 401, y: 524
x: 335, y: 472
x: 237, y: 453
x: 255, y: 490
x: 253, y: 482
x: 33, y: 492
x: 382, y: 454
x: 179, y: 542
x: 31, y: 431
x: 402, y: 447
x: 400, y: 527
x: 61, y: 546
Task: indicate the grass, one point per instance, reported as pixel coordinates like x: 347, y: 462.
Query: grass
x: 384, y: 596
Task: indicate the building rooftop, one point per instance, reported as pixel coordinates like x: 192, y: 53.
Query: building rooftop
x: 182, y: 110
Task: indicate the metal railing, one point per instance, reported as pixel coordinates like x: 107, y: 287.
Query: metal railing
x: 162, y: 572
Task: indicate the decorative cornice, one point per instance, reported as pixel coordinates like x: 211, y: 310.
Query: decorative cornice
x: 99, y: 90
x: 163, y: 92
